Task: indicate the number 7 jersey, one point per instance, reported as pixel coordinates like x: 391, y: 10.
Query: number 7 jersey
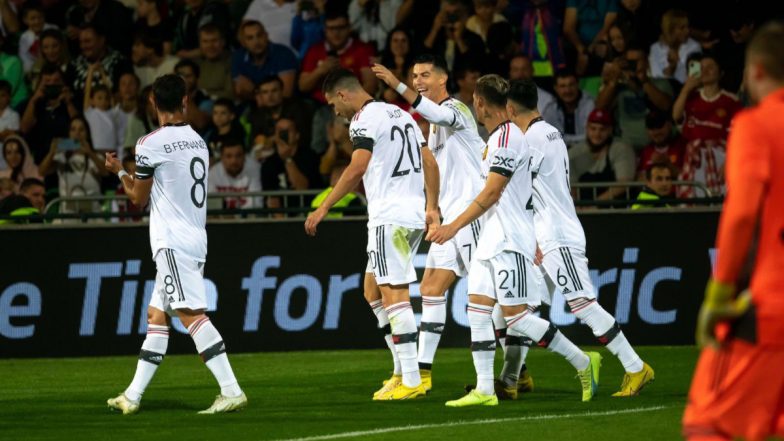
x: 394, y: 180
x: 177, y: 159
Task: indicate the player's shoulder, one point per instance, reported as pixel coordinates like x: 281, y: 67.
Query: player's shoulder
x: 507, y: 135
x: 542, y: 132
x: 370, y: 111
x: 149, y: 139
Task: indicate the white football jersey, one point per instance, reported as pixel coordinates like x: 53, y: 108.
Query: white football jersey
x: 457, y: 147
x: 394, y: 180
x: 555, y: 218
x: 177, y: 159
x: 509, y: 224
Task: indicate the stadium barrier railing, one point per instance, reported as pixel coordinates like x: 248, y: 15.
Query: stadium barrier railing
x: 296, y: 204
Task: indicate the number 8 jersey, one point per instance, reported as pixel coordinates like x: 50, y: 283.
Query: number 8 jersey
x: 394, y: 180
x: 177, y: 159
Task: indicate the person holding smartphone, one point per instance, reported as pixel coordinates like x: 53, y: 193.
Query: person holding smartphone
x: 291, y: 167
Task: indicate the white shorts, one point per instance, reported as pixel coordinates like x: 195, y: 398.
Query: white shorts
x: 509, y: 277
x: 567, y: 268
x: 456, y: 254
x: 179, y: 283
x: 391, y: 250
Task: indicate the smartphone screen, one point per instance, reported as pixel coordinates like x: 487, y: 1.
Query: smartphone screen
x: 67, y: 145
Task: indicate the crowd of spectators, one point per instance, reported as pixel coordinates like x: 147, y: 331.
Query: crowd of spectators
x: 636, y: 86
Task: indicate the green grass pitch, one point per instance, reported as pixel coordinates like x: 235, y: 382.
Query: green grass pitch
x: 326, y: 395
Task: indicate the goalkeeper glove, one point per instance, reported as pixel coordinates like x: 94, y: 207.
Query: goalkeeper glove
x: 720, y: 304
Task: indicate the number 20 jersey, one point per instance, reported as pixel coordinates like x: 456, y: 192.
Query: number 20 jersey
x: 177, y: 159
x: 394, y: 180
x: 509, y: 224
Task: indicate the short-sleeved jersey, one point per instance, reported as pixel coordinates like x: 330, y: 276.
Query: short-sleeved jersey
x: 555, y: 219
x: 457, y: 147
x: 394, y: 180
x: 177, y: 159
x: 510, y: 222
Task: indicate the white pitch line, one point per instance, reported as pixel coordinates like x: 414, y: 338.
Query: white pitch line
x: 359, y: 433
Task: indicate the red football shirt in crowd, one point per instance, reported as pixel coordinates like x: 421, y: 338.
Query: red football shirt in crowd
x: 673, y: 150
x: 709, y: 118
x: 353, y: 57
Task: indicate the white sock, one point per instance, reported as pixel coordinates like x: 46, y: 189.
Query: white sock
x: 620, y: 347
x: 500, y: 326
x: 151, y: 355
x: 607, y: 330
x: 513, y: 357
x: 209, y: 344
x: 482, y: 346
x: 430, y: 329
x: 404, y: 334
x: 547, y: 335
x: 383, y: 322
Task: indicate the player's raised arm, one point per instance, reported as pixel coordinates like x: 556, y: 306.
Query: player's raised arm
x: 430, y: 77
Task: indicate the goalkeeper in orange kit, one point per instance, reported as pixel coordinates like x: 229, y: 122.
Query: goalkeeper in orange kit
x: 738, y: 386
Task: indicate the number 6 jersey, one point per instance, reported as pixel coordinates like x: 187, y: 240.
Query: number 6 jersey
x: 177, y: 159
x: 394, y: 180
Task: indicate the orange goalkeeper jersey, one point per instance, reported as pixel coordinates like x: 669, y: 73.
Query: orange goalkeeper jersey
x: 755, y: 163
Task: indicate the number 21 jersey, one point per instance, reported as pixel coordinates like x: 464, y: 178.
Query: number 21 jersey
x: 394, y: 180
x: 177, y: 159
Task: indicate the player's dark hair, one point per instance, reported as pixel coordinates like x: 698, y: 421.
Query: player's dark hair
x: 188, y: 63
x: 269, y: 79
x: 225, y: 102
x: 493, y: 88
x: 30, y: 182
x: 339, y: 78
x: 523, y: 94
x: 766, y: 46
x: 5, y: 86
x: 438, y: 62
x: 658, y: 165
x: 168, y: 91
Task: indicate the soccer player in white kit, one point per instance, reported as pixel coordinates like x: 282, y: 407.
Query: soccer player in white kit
x: 401, y: 182
x: 503, y: 270
x: 561, y: 238
x: 457, y: 147
x: 171, y: 172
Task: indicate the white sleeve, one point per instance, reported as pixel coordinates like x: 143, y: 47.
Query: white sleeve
x: 362, y: 131
x: 655, y: 61
x: 446, y: 114
x: 147, y: 160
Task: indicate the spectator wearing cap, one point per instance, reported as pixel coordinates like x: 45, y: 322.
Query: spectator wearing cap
x: 630, y: 94
x: 658, y: 185
x: 600, y: 158
x: 570, y: 113
x: 260, y: 58
x: 665, y: 144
